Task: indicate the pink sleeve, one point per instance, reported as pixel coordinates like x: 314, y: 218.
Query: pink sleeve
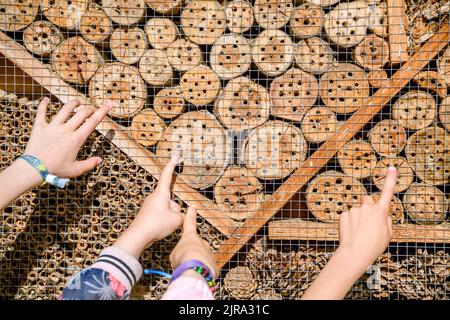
x: 188, y: 288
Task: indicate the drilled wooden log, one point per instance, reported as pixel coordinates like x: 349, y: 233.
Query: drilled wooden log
x: 307, y: 20
x: 203, y: 22
x: 425, y: 204
x: 372, y: 52
x: 273, y: 14
x: 41, y: 37
x: 357, y: 159
x: 155, y: 68
x: 76, y: 60
x: 17, y: 14
x: 415, y: 110
x: 293, y: 93
x: 444, y: 113
x: 388, y: 138
x: 396, y: 210
x: 147, y: 127
x: 274, y: 150
x: 169, y: 7
x: 125, y: 12
x: 344, y: 87
x: 200, y: 85
x: 378, y: 19
x: 318, y: 124
x: 230, y: 56
x: 398, y: 39
x: 169, y: 102
x: 443, y: 65
x: 161, y: 32
x: 314, y: 55
x: 242, y: 105
x: 121, y: 84
x: 432, y: 81
x: 332, y: 193
x: 95, y: 25
x: 64, y: 13
x: 238, y: 192
x: 323, y: 3
x: 428, y: 154
x: 378, y: 78
x: 184, y: 55
x: 199, y: 139
x: 239, y: 16
x: 128, y: 45
x: 272, y: 52
x: 405, y: 174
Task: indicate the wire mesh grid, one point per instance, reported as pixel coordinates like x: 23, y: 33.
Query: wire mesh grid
x: 273, y: 107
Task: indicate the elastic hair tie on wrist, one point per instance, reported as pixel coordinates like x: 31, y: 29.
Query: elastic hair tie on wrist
x: 43, y: 171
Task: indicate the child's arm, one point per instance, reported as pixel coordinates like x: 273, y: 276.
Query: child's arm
x: 364, y: 234
x: 56, y: 145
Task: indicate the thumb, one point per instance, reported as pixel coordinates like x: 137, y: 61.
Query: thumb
x: 190, y: 221
x: 84, y: 166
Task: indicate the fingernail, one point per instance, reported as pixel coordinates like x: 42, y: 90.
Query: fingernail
x: 46, y: 99
x: 176, y: 159
x: 392, y: 169
x: 100, y: 160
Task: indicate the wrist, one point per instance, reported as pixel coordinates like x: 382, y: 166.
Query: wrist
x: 28, y: 176
x: 134, y: 242
x: 352, y: 259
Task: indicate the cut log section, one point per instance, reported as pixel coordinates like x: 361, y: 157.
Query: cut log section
x: 425, y: 204
x: 443, y: 65
x: 128, y: 45
x: 428, y: 153
x: 201, y: 142
x: 239, y: 15
x: 64, y: 13
x: 161, y: 32
x: 42, y: 37
x: 378, y: 19
x: 240, y: 283
x: 398, y: 39
x: 273, y: 14
x: 125, y: 12
x: 357, y: 159
x: 372, y: 53
x: 155, y: 69
x: 378, y: 78
x: 121, y: 84
x: 200, y: 85
x: 405, y: 174
x: 415, y: 110
x: 203, y: 22
x: 243, y: 105
x: 346, y: 25
x: 323, y: 3
x: 165, y: 6
x: 184, y: 55
x: 388, y: 138
x: 230, y: 56
x: 318, y: 124
x: 272, y: 52
x: 274, y: 150
x: 17, y: 14
x: 344, y: 87
x: 169, y: 102
x: 147, y: 127
x: 95, y: 25
x: 314, y: 55
x: 293, y: 93
x: 396, y: 210
x: 332, y: 193
x: 238, y: 193
x: 433, y: 81
x: 76, y: 60
x: 444, y: 113
x: 307, y: 20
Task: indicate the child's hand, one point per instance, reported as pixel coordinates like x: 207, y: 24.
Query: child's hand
x: 57, y: 143
x: 191, y: 246
x: 159, y: 216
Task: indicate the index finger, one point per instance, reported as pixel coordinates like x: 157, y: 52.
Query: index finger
x: 190, y: 221
x: 388, y: 188
x: 165, y: 179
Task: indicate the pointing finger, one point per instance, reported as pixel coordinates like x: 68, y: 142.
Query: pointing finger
x: 166, y: 175
x: 190, y: 221
x: 388, y: 189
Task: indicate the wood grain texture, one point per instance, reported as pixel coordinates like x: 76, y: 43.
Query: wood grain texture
x: 369, y: 108
x: 398, y: 40
x: 42, y: 75
x: 299, y: 229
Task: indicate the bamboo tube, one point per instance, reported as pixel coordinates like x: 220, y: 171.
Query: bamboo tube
x: 307, y: 20
x: 95, y: 25
x: 41, y: 37
x: 272, y: 52
x: 405, y: 175
x: 203, y: 22
x: 184, y: 54
x: 161, y: 32
x: 273, y: 14
x: 239, y: 16
x: 444, y: 113
x: 128, y: 44
x: 388, y: 137
x: 372, y: 52
x: 169, y: 7
x: 293, y: 93
x: 125, y: 12
x: 121, y: 84
x: 17, y: 14
x: 155, y: 68
x: 169, y: 102
x: 396, y: 210
x: 64, y: 13
x: 357, y: 159
x: 200, y: 85
x: 331, y: 193
x: 350, y: 77
x: 432, y: 81
x: 415, y: 110
x: 242, y: 105
x: 230, y: 56
x: 76, y: 61
x: 378, y: 78
x: 147, y: 127
x: 318, y: 124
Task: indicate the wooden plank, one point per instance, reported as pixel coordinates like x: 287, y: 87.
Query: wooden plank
x: 299, y: 229
x: 370, y: 107
x: 143, y: 157
x: 398, y: 40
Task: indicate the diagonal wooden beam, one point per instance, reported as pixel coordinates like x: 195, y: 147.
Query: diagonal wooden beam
x: 370, y: 107
x: 41, y: 74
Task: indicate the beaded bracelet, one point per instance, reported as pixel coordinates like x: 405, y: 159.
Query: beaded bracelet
x: 43, y: 171
x: 200, y: 268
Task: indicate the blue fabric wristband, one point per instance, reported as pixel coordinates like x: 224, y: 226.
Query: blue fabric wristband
x: 43, y: 171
